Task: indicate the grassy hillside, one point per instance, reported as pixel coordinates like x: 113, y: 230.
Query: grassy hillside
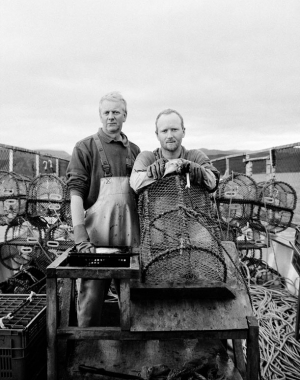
x: 56, y: 153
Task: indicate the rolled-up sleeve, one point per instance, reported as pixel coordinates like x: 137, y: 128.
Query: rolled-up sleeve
x: 210, y: 175
x: 139, y: 177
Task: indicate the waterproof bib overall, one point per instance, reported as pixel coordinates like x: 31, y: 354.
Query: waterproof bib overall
x: 111, y: 222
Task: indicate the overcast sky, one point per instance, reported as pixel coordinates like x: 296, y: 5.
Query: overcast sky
x: 231, y: 68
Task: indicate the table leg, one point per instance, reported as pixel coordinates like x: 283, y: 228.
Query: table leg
x: 239, y: 357
x: 125, y: 304
x: 252, y: 349
x: 51, y: 328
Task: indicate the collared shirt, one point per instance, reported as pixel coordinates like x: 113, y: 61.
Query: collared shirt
x: 139, y: 178
x: 85, y: 171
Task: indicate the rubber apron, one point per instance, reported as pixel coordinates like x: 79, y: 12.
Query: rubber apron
x: 113, y: 219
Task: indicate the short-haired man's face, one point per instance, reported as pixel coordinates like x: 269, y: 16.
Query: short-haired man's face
x: 113, y: 116
x: 170, y: 132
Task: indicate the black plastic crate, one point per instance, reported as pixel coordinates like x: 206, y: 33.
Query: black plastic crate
x: 23, y: 341
x: 115, y: 260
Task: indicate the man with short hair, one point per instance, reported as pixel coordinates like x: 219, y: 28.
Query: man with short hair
x: 172, y: 157
x: 103, y: 205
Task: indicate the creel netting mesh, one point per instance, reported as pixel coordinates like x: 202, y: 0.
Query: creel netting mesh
x: 59, y: 238
x: 234, y: 199
x: 46, y: 194
x: 254, y: 209
x: 23, y: 245
x: 180, y: 236
x: 13, y: 193
x: 275, y: 204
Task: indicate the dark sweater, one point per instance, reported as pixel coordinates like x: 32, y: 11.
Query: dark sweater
x: 85, y: 170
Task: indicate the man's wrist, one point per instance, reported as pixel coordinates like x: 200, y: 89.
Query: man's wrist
x: 80, y: 234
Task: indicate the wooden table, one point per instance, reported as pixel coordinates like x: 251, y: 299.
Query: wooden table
x: 154, y: 318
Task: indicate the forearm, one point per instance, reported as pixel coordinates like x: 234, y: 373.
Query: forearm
x: 203, y: 175
x: 77, y: 210
x: 81, y: 237
x: 209, y: 179
x: 140, y: 179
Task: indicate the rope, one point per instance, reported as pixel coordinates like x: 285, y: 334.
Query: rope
x: 275, y: 308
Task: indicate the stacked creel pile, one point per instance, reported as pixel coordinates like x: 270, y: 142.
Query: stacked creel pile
x: 38, y: 228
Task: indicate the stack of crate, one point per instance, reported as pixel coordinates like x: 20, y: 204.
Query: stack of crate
x: 23, y: 344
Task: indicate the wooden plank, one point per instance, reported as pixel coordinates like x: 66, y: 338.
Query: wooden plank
x: 115, y: 333
x: 253, y: 355
x: 239, y: 357
x: 134, y: 262
x: 231, y: 255
x: 124, y: 304
x: 132, y: 357
x: 199, y: 289
x: 51, y: 328
x: 190, y: 314
x: 67, y: 300
x: 96, y: 272
x: 51, y: 269
x: 297, y: 323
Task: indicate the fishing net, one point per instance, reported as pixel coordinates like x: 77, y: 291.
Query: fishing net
x: 46, y: 194
x: 66, y: 211
x: 275, y: 204
x: 59, y: 238
x: 22, y: 244
x: 234, y: 199
x: 228, y: 232
x: 180, y: 236
x: 13, y: 191
x: 27, y: 279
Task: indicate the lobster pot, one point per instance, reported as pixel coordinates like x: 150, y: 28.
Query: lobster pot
x: 46, y: 197
x: 22, y: 246
x: 276, y: 193
x: 235, y: 198
x: 66, y: 210
x: 228, y: 233
x: 28, y: 279
x: 13, y: 191
x: 276, y: 204
x: 274, y: 219
x: 59, y: 238
x: 180, y: 239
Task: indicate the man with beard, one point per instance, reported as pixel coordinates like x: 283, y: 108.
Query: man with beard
x: 172, y: 157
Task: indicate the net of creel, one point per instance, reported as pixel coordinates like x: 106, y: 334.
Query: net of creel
x: 37, y: 220
x: 181, y: 239
x: 249, y: 211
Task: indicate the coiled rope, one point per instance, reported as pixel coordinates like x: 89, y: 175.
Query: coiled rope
x: 275, y: 308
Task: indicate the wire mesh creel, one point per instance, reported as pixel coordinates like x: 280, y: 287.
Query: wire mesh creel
x: 235, y: 198
x: 67, y: 217
x: 180, y: 238
x: 13, y: 196
x: 46, y: 194
x: 22, y: 245
x: 59, y: 238
x: 275, y: 205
